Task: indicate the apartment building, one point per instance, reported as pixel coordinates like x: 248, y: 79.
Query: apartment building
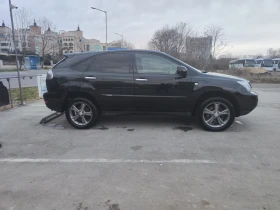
x: 74, y: 41
x: 6, y: 43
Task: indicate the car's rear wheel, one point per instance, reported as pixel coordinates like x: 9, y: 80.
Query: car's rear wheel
x: 216, y: 114
x: 81, y: 113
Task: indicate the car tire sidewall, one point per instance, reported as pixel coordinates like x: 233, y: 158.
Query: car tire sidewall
x: 93, y: 108
x: 206, y: 103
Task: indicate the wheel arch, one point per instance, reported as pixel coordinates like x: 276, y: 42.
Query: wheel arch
x: 78, y: 94
x: 222, y: 94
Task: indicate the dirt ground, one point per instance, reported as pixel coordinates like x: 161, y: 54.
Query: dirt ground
x: 254, y: 75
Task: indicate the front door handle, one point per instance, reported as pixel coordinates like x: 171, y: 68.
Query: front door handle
x: 90, y: 77
x: 142, y: 80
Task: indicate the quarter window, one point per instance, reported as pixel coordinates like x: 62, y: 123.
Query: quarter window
x: 154, y: 64
x: 112, y: 63
x: 83, y: 65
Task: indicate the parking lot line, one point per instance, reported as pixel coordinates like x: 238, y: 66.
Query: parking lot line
x: 28, y: 160
x: 38, y: 105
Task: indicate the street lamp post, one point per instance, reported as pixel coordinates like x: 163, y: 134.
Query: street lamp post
x: 105, y: 22
x: 13, y: 32
x: 122, y: 39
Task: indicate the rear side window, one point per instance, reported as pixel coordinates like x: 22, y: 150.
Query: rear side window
x: 82, y: 65
x: 71, y: 60
x: 59, y: 62
x: 112, y: 63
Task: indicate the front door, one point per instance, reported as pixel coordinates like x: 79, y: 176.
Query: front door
x: 158, y: 87
x: 110, y: 80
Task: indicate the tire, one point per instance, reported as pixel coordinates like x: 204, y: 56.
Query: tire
x: 80, y: 117
x: 210, y: 119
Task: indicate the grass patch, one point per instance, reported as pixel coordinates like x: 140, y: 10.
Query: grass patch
x: 28, y: 94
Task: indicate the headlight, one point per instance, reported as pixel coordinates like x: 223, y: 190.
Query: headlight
x: 50, y: 74
x: 245, y: 84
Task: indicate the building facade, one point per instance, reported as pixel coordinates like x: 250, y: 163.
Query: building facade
x: 30, y: 40
x: 6, y: 39
x: 34, y: 38
x: 74, y: 41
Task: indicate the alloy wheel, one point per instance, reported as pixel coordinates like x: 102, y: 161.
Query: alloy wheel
x: 81, y: 113
x: 216, y: 114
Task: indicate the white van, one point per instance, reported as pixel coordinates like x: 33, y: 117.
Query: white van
x: 240, y: 63
x: 266, y: 63
x: 276, y: 64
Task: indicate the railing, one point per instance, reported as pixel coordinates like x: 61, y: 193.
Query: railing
x: 2, y: 87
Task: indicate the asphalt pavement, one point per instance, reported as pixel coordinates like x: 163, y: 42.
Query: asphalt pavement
x: 151, y: 162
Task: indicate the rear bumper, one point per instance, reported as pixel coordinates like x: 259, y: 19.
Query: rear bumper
x: 54, y: 101
x: 248, y: 103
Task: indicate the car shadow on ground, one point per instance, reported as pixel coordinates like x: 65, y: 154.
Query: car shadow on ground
x: 132, y: 122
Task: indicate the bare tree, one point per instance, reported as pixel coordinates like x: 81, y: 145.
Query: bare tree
x: 273, y: 53
x: 47, y: 39
x: 171, y: 39
x: 182, y: 42
x: 185, y: 43
x: 218, y: 43
x: 23, y: 19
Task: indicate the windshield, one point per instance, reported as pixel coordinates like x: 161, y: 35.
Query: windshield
x: 268, y: 63
x: 250, y: 63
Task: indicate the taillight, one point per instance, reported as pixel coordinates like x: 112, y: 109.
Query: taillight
x: 50, y: 74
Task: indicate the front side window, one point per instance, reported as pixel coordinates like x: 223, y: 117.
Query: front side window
x: 112, y: 63
x: 154, y: 64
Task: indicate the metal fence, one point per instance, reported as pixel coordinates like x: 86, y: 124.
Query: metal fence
x: 3, y: 88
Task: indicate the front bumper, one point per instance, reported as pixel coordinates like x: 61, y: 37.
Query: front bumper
x: 248, y: 103
x: 54, y: 101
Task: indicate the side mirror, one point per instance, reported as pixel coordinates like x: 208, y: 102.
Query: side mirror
x: 182, y: 71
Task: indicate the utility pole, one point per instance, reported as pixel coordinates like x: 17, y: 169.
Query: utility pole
x: 14, y: 40
x: 105, y: 22
x: 122, y: 39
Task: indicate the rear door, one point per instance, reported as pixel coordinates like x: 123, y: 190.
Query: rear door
x: 110, y: 80
x: 157, y: 85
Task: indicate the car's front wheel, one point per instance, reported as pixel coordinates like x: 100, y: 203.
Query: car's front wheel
x: 81, y: 113
x: 216, y: 114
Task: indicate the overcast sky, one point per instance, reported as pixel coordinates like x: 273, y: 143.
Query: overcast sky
x: 251, y: 26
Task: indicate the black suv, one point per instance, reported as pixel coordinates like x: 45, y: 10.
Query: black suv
x: 86, y: 85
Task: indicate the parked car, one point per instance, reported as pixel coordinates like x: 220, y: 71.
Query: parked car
x: 266, y: 63
x: 87, y: 85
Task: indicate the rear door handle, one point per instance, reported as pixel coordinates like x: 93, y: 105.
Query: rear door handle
x: 90, y: 77
x: 142, y: 80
